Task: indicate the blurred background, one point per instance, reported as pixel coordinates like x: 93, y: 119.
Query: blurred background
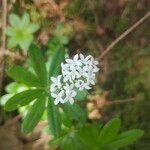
x: 86, y: 26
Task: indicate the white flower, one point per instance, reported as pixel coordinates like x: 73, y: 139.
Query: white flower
x: 75, y: 61
x: 81, y: 85
x: 70, y: 93
x: 58, y: 97
x: 56, y: 83
x: 70, y: 72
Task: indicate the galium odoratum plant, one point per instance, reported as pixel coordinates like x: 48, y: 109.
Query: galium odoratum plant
x: 37, y: 93
x: 78, y: 73
x: 21, y: 31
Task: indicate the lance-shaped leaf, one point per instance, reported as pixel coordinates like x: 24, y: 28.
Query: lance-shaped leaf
x: 58, y: 57
x: 126, y: 138
x: 109, y: 131
x: 24, y: 76
x: 34, y: 114
x: 52, y: 110
x: 38, y: 63
x: 54, y: 120
x: 22, y: 98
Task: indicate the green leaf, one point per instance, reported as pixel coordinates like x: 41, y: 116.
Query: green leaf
x: 22, y: 98
x: 5, y: 98
x: 81, y: 95
x: 54, y: 143
x: 12, y: 42
x: 126, y: 138
x: 14, y: 88
x: 34, y: 114
x: 88, y: 133
x: 33, y: 28
x: 75, y: 112
x: 24, y: 76
x: 109, y: 131
x: 14, y: 21
x: 66, y: 120
x: 26, y: 42
x: 38, y: 63
x: 9, y: 31
x: 25, y: 20
x: 57, y: 59
x: 54, y: 118
x: 71, y: 142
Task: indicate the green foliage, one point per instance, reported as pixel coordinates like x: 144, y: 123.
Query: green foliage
x: 38, y: 64
x: 89, y: 137
x: 75, y: 112
x: 34, y: 114
x: 24, y: 76
x: 127, y: 76
x: 52, y: 110
x: 22, y: 98
x: 54, y: 118
x: 38, y: 80
x: 71, y: 142
x: 57, y: 59
x: 38, y: 89
x: 21, y: 31
x: 81, y: 95
x: 126, y: 138
x: 14, y: 88
x: 108, y: 138
x: 109, y: 131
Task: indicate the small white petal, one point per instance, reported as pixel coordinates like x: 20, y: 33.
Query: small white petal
x: 69, y: 60
x: 96, y: 69
x: 96, y: 62
x: 87, y: 87
x: 56, y: 101
x: 75, y: 58
x: 71, y: 101
x: 54, y: 95
x: 82, y: 57
x: 53, y: 79
x: 88, y: 57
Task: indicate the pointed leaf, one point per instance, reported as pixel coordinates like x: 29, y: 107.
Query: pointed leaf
x: 38, y: 63
x: 24, y: 76
x: 22, y: 98
x: 25, y: 20
x: 14, y: 21
x: 53, y: 118
x: 15, y: 87
x: 126, y: 138
x: 57, y: 59
x: 33, y: 28
x: 34, y: 114
x: 109, y: 131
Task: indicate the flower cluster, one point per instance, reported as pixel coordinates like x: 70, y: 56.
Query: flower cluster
x: 78, y: 73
